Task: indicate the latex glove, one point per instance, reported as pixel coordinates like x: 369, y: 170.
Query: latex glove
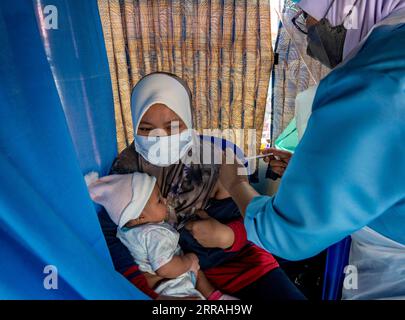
x: 278, y: 160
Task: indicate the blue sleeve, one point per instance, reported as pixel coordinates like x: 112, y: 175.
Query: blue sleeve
x: 349, y: 167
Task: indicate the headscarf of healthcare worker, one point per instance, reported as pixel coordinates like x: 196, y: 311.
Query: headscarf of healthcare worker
x: 338, y: 183
x: 349, y: 22
x: 358, y: 16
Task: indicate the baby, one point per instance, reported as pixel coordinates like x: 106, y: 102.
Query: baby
x: 134, y: 203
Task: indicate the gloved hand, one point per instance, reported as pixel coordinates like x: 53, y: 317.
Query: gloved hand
x: 278, y: 161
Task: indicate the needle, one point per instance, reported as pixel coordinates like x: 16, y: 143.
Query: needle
x: 262, y: 156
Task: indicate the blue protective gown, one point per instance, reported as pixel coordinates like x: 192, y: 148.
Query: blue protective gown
x: 349, y: 169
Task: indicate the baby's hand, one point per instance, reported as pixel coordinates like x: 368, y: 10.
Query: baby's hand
x: 194, y: 261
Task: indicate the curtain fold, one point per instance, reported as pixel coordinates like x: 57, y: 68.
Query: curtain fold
x: 222, y: 49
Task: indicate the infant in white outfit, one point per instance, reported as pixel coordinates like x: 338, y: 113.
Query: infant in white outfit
x: 134, y: 203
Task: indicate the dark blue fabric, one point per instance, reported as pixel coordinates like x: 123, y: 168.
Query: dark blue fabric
x: 336, y: 260
x: 46, y: 215
x: 224, y: 211
x: 273, y: 286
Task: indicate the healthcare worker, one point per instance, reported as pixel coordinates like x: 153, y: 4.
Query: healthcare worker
x: 347, y: 175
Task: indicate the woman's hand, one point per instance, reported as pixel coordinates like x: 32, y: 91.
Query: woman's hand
x: 278, y: 160
x: 210, y: 233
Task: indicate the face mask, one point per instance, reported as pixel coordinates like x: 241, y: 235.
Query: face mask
x: 166, y: 150
x: 325, y: 42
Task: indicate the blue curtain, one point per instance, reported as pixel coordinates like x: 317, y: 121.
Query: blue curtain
x: 337, y: 259
x: 56, y: 122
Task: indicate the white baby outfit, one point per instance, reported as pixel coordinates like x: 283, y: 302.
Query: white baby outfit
x: 152, y: 246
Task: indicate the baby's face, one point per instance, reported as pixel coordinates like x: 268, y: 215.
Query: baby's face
x: 156, y: 208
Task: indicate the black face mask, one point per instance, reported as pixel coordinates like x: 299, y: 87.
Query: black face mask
x: 325, y: 42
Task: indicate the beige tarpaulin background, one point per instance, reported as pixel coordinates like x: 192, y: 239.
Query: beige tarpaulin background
x: 221, y: 48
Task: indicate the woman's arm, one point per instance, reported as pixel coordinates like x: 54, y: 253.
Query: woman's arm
x: 234, y: 179
x: 211, y: 233
x: 230, y: 184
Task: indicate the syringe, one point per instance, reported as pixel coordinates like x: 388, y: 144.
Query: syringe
x: 262, y: 156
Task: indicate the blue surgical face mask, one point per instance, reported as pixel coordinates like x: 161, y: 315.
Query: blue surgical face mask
x: 166, y: 150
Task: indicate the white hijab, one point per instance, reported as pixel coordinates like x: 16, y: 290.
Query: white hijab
x: 160, y: 88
